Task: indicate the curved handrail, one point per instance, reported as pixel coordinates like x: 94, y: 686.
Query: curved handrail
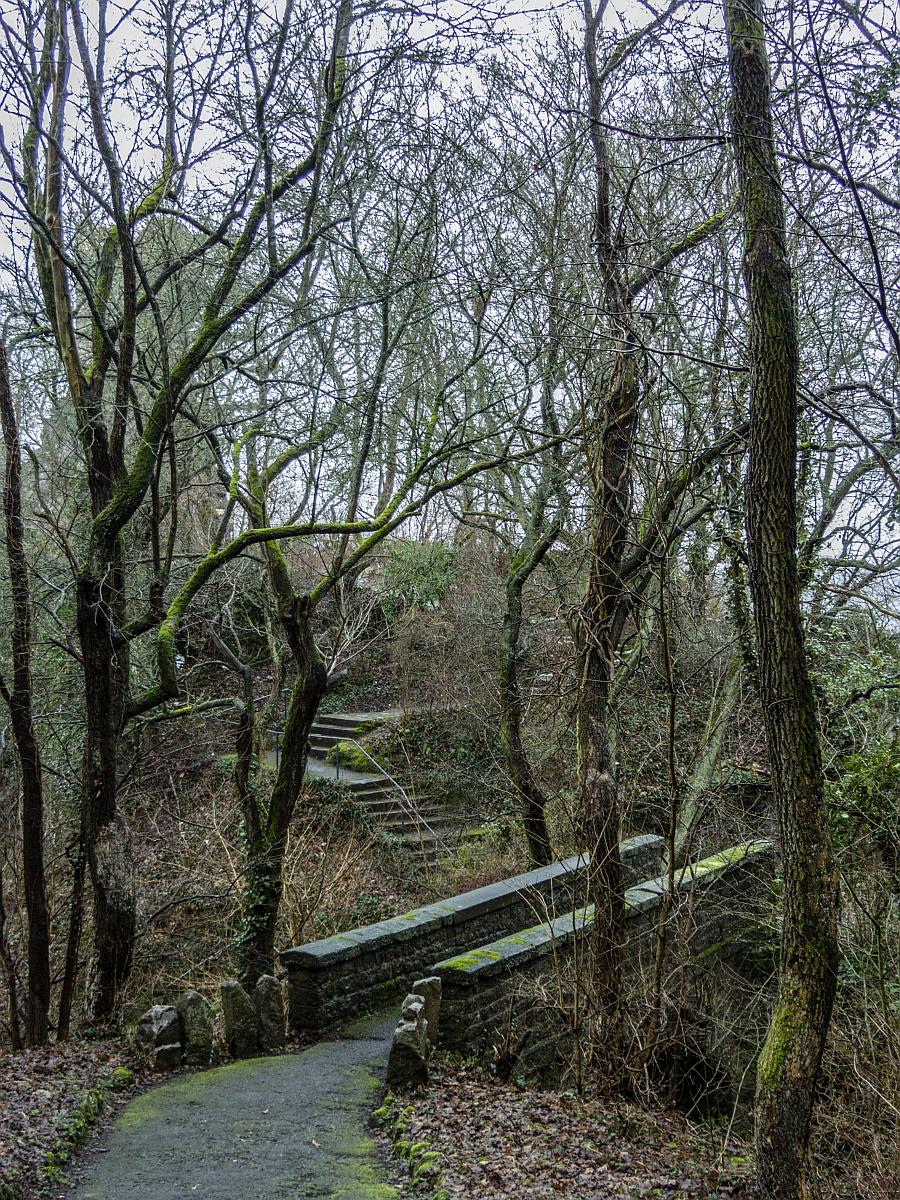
x: 407, y: 802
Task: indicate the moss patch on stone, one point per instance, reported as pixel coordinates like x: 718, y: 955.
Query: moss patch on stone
x: 421, y: 1160
x: 352, y: 757
x: 475, y: 958
x: 72, y: 1133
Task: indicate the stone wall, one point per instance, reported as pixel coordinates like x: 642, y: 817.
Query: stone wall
x: 340, y: 976
x: 492, y: 994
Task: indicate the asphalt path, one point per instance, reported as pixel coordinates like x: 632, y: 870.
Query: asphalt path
x: 287, y: 1126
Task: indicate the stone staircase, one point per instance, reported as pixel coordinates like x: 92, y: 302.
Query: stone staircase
x: 428, y: 829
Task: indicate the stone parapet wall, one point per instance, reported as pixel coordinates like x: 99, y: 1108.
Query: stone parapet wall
x: 492, y: 993
x: 337, y: 977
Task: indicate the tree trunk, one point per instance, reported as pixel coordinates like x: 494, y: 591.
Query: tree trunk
x: 791, y: 1057
x: 610, y: 426
x: 267, y: 831
x: 14, y: 1022
x: 73, y: 945
x: 540, y: 851
x: 104, y: 832
x: 692, y: 806
x: 599, y: 833
x: 22, y: 720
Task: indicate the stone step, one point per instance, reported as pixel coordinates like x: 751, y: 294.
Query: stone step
x: 321, y: 741
x: 395, y: 813
x: 333, y: 732
x: 403, y: 820
x: 336, y: 721
x: 350, y: 721
x: 427, y: 847
x: 377, y: 794
x: 369, y: 791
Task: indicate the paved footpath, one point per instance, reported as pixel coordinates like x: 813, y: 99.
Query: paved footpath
x: 278, y: 1128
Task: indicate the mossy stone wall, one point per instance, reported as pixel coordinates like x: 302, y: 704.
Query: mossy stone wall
x: 499, y: 989
x: 341, y: 976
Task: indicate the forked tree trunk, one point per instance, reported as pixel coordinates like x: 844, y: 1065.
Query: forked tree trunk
x: 531, y: 799
x: 21, y: 713
x: 267, y: 829
x: 789, y: 1065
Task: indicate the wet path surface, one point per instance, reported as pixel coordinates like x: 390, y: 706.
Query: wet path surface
x: 295, y: 1125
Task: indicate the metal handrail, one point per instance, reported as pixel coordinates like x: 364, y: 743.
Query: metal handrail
x: 408, y: 803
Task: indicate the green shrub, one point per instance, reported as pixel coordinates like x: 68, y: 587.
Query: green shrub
x: 416, y: 575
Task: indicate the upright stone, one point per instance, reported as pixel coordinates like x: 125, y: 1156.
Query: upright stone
x: 268, y: 1000
x: 239, y: 1019
x: 408, y: 1060
x: 195, y: 1014
x: 430, y: 991
x: 167, y: 1058
x: 158, y: 1037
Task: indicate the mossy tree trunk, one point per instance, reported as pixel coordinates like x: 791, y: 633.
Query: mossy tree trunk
x: 515, y: 757
x: 692, y: 803
x: 103, y: 830
x: 20, y: 701
x: 791, y: 1057
x: 620, y: 566
x: 267, y: 823
x: 267, y: 830
x: 122, y: 443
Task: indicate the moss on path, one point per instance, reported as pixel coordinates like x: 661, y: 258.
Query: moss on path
x: 285, y: 1127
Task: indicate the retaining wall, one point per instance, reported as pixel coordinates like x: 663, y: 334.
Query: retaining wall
x: 343, y: 975
x: 495, y: 992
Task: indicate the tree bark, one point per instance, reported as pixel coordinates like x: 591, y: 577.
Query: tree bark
x: 73, y: 944
x: 267, y: 830
x: 610, y: 425
x: 791, y: 1057
x: 537, y: 838
x: 14, y: 1022
x: 22, y: 719
x: 103, y: 828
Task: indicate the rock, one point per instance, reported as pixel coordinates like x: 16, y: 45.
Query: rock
x: 158, y: 1031
x: 408, y: 1060
x: 195, y: 1015
x: 268, y: 1000
x: 121, y: 1079
x: 412, y: 1006
x: 239, y: 1018
x: 430, y: 991
x: 166, y: 1058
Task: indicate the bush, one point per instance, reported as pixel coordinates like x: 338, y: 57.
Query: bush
x: 416, y: 575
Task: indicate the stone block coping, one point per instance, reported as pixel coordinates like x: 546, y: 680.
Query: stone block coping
x: 511, y: 952
x: 468, y: 906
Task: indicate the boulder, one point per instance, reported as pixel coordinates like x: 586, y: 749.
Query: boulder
x: 158, y: 1037
x: 408, y: 1059
x: 268, y: 1000
x: 430, y: 991
x: 167, y: 1058
x: 195, y: 1015
x: 239, y: 1018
